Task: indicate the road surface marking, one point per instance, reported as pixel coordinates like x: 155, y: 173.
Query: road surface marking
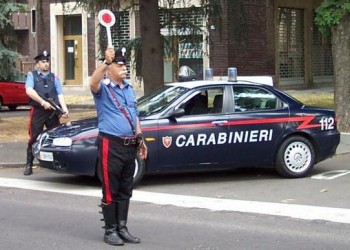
x: 330, y: 175
x: 340, y: 215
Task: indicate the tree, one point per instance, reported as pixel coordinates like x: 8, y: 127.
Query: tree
x: 333, y: 18
x: 8, y: 54
x: 152, y: 47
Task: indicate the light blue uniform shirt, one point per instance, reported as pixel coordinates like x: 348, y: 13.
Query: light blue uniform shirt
x: 30, y: 82
x: 110, y: 118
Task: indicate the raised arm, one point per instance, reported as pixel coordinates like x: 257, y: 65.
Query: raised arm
x: 101, y: 69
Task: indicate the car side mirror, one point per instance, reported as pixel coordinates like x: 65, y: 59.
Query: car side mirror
x: 177, y: 113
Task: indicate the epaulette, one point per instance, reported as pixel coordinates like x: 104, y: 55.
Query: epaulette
x: 128, y: 83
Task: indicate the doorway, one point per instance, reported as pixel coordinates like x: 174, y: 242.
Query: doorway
x: 183, y: 51
x: 291, y: 41
x: 72, y: 46
x: 73, y: 60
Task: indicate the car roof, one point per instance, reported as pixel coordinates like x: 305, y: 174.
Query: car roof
x: 254, y: 80
x: 203, y: 83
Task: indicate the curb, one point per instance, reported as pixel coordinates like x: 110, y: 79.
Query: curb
x: 17, y: 164
x: 81, y: 106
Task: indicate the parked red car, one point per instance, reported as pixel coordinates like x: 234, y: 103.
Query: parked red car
x: 13, y: 94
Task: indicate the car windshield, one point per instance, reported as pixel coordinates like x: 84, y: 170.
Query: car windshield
x: 159, y: 99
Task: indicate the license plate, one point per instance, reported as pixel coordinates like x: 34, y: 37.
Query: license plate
x: 46, y: 156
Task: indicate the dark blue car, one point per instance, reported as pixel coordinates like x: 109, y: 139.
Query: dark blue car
x: 207, y: 125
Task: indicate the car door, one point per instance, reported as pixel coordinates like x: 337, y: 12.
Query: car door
x: 13, y: 93
x: 195, y: 140
x: 257, y: 122
x: 18, y: 93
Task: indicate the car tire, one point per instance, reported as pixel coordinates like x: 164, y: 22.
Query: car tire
x: 140, y: 168
x: 295, y: 157
x: 12, y: 107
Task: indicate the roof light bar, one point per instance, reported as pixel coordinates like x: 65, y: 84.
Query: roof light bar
x: 232, y: 74
x: 208, y: 74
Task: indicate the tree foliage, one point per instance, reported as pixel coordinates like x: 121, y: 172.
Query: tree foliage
x: 8, y: 41
x: 330, y: 13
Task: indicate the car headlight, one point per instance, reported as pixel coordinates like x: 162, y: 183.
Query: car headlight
x: 62, y: 142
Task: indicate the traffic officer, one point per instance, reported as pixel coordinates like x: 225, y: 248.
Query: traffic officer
x: 119, y: 140
x: 44, y: 90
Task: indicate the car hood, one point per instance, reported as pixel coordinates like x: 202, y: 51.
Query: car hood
x: 75, y: 128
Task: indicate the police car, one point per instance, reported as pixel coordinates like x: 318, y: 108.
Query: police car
x: 207, y: 125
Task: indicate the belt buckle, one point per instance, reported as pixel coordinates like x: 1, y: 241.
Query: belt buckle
x: 126, y: 141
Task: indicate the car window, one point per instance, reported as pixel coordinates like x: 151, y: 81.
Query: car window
x: 209, y: 100
x: 254, y: 98
x: 159, y: 100
x: 216, y: 100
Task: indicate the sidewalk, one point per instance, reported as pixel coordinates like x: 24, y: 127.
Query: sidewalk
x: 13, y: 154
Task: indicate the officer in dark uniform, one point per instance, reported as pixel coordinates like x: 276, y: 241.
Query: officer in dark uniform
x: 119, y: 140
x: 42, y: 86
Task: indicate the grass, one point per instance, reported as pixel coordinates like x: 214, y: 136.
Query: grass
x: 16, y: 128
x: 325, y: 100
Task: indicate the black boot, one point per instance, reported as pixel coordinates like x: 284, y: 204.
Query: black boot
x: 122, y: 208
x: 111, y: 236
x: 28, y: 169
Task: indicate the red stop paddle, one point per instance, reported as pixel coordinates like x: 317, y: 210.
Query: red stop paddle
x: 107, y: 19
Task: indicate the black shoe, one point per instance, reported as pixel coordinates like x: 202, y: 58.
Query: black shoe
x: 127, y: 237
x: 112, y: 238
x: 28, y: 170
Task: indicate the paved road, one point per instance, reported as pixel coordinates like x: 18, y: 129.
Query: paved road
x: 50, y: 211
x: 42, y: 220
x: 258, y: 190
x: 22, y: 111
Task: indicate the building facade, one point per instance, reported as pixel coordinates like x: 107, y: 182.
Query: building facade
x: 275, y: 38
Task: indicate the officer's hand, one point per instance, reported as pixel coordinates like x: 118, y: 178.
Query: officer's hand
x: 143, y: 150
x: 109, y: 55
x: 47, y: 106
x: 65, y: 114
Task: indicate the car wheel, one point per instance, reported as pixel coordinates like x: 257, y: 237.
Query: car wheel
x: 12, y: 107
x: 140, y: 169
x: 295, y: 158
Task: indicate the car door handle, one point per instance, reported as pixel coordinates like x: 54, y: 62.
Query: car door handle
x: 219, y: 123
